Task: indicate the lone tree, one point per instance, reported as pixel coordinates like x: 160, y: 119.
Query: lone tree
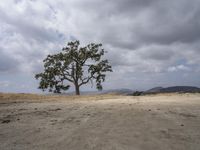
x: 78, y: 65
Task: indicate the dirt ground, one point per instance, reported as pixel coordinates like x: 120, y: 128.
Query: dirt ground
x: 103, y: 122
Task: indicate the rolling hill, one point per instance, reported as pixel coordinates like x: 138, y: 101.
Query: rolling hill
x: 182, y: 89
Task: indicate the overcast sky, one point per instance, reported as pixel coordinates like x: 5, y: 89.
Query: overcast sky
x: 149, y: 42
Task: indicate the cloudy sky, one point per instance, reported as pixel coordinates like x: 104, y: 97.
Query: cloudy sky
x: 149, y: 42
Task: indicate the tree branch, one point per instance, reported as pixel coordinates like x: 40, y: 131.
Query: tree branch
x: 86, y: 81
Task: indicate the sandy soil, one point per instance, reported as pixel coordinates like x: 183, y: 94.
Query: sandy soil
x: 108, y: 122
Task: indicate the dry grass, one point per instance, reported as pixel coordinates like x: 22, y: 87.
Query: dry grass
x: 10, y: 97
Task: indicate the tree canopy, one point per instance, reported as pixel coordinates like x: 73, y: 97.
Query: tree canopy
x: 78, y: 65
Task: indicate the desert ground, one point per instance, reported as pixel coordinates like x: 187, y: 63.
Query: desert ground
x: 100, y: 122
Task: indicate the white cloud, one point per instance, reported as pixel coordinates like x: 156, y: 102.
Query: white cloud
x: 5, y: 83
x: 141, y: 37
x: 178, y: 68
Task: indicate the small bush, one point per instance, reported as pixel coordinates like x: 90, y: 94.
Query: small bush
x: 137, y: 93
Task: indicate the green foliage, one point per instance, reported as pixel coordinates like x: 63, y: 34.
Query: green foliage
x: 137, y: 93
x: 76, y: 65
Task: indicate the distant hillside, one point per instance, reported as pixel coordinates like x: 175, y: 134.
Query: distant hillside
x: 153, y: 90
x: 184, y: 89
x: 118, y: 91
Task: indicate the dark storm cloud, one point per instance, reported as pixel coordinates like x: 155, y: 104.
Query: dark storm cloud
x: 133, y: 23
x: 157, y: 53
x: 174, y: 27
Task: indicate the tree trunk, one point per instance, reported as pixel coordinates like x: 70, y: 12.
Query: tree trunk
x: 77, y: 89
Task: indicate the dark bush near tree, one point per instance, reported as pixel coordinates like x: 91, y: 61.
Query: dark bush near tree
x: 137, y: 93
